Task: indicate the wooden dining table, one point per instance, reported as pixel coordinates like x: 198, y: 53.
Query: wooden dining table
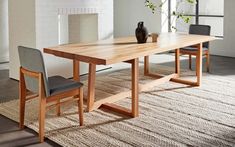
x: 126, y: 49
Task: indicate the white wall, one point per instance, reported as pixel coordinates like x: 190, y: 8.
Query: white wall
x: 4, y: 42
x: 22, y: 30
x: 226, y: 46
x: 127, y: 13
x: 45, y: 28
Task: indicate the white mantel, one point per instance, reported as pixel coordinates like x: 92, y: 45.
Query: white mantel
x: 34, y: 23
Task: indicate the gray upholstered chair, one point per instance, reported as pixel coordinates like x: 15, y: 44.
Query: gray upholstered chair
x: 34, y: 83
x: 192, y: 51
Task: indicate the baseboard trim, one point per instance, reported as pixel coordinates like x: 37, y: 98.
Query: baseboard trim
x: 5, y: 62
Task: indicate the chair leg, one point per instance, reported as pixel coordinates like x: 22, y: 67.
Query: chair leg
x: 22, y: 111
x: 42, y: 113
x: 190, y: 62
x: 22, y: 96
x: 80, y: 106
x: 196, y: 64
x: 208, y: 62
x: 58, y: 108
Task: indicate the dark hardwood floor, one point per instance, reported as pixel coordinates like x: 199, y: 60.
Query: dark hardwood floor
x: 11, y: 136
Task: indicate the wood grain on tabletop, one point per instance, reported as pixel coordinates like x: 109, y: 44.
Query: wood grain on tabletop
x: 126, y: 48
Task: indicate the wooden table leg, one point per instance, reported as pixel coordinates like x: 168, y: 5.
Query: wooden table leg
x: 146, y: 65
x: 134, y: 111
x: 76, y: 70
x: 135, y: 87
x: 177, y: 61
x: 91, y: 87
x: 199, y: 64
x: 198, y: 68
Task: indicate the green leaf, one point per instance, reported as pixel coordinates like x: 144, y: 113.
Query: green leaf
x: 150, y: 5
x: 191, y: 1
x: 178, y: 15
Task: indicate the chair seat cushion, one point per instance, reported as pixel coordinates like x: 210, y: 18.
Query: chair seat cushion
x: 193, y: 49
x: 58, y: 84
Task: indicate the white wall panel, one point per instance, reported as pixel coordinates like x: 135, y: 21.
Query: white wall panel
x: 127, y: 13
x: 4, y: 35
x: 22, y: 30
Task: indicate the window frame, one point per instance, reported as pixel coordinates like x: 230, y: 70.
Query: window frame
x: 196, y: 15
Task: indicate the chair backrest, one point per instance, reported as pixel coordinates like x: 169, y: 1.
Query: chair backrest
x: 200, y: 30
x: 32, y: 60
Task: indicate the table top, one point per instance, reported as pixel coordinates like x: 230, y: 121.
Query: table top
x: 126, y: 48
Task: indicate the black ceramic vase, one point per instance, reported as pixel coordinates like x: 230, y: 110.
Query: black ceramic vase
x: 141, y: 33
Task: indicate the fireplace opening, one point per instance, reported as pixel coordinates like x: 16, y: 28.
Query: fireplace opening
x: 77, y: 28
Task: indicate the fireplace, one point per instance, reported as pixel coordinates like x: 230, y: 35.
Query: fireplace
x: 52, y: 22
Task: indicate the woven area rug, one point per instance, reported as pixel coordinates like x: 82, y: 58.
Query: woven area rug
x: 170, y: 115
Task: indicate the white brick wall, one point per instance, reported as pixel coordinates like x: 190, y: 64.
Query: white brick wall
x: 46, y: 24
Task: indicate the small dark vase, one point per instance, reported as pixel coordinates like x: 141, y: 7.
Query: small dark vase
x: 141, y: 33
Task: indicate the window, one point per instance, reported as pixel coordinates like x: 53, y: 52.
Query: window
x: 207, y: 12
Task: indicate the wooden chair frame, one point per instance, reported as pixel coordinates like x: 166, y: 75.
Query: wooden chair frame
x: 194, y: 53
x: 76, y: 94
